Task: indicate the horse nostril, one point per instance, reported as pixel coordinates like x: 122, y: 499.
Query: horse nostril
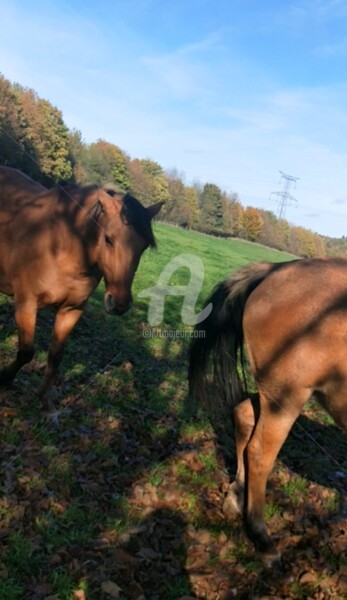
x: 113, y: 307
x: 109, y: 303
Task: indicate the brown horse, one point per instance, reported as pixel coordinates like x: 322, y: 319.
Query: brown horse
x: 292, y: 318
x: 55, y: 246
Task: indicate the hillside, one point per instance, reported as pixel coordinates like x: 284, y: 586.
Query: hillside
x: 35, y: 139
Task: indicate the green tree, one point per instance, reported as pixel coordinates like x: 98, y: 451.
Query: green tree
x: 151, y: 167
x: 233, y: 215
x: 48, y: 137
x: 159, y: 180
x: 13, y: 143
x: 106, y: 163
x: 275, y: 232
x: 77, y: 156
x: 211, y: 208
x: 175, y: 209
x: 183, y: 206
x: 283, y: 234
x: 141, y: 184
x: 192, y: 203
x: 148, y: 181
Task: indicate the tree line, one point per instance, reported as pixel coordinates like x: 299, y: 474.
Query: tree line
x: 35, y: 140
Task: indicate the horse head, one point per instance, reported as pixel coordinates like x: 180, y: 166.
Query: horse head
x: 123, y: 231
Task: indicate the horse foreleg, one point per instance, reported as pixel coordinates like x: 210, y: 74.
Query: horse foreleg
x: 269, y: 435
x: 65, y: 321
x: 245, y: 415
x: 25, y: 316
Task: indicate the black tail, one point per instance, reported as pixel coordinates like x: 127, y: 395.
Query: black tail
x: 220, y: 338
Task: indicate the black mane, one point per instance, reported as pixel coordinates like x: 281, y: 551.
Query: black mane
x: 136, y: 215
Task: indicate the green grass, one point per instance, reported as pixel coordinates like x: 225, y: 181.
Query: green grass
x: 272, y: 510
x: 209, y: 462
x: 219, y: 256
x: 11, y: 590
x: 177, y: 589
x: 132, y: 466
x: 63, y: 585
x: 296, y: 488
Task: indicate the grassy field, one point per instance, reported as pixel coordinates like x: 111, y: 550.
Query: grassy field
x: 125, y: 500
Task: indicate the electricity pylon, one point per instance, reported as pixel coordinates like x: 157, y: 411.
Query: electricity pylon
x: 284, y: 196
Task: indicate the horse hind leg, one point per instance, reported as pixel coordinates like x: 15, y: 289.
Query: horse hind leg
x: 25, y: 316
x: 245, y: 416
x: 271, y: 430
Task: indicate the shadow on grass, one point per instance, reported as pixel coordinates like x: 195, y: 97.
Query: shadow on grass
x: 64, y: 492
x: 152, y: 557
x: 97, y: 503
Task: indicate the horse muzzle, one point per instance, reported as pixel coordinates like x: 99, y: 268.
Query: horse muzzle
x: 116, y: 307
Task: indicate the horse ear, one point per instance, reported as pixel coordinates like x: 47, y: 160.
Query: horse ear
x: 154, y: 209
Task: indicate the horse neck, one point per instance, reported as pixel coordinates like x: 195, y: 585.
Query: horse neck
x: 90, y: 230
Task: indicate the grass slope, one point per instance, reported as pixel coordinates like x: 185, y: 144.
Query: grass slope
x: 125, y: 501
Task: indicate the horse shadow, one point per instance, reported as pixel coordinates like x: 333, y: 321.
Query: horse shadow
x: 317, y: 451
x: 151, y: 557
x: 115, y: 407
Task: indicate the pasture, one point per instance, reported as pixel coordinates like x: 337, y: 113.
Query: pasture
x: 125, y: 499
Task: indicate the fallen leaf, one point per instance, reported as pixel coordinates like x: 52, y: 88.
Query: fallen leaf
x: 111, y: 588
x: 7, y: 412
x: 223, y: 538
x: 308, y: 577
x: 342, y: 580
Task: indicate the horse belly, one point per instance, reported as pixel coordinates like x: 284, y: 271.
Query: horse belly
x: 5, y: 285
x: 299, y: 356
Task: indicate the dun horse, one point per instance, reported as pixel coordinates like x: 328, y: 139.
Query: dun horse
x: 292, y: 319
x: 55, y: 246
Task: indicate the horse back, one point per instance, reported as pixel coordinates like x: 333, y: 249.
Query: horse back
x: 16, y: 189
x: 44, y: 252
x: 295, y: 326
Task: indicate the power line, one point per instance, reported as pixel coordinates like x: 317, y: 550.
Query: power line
x: 284, y: 196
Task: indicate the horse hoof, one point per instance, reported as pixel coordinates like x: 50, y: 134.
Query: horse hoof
x: 233, y: 501
x: 272, y: 559
x: 52, y: 416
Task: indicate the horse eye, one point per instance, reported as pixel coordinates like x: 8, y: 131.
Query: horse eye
x: 108, y: 240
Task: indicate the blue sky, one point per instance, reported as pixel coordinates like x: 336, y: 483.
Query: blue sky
x: 225, y: 91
